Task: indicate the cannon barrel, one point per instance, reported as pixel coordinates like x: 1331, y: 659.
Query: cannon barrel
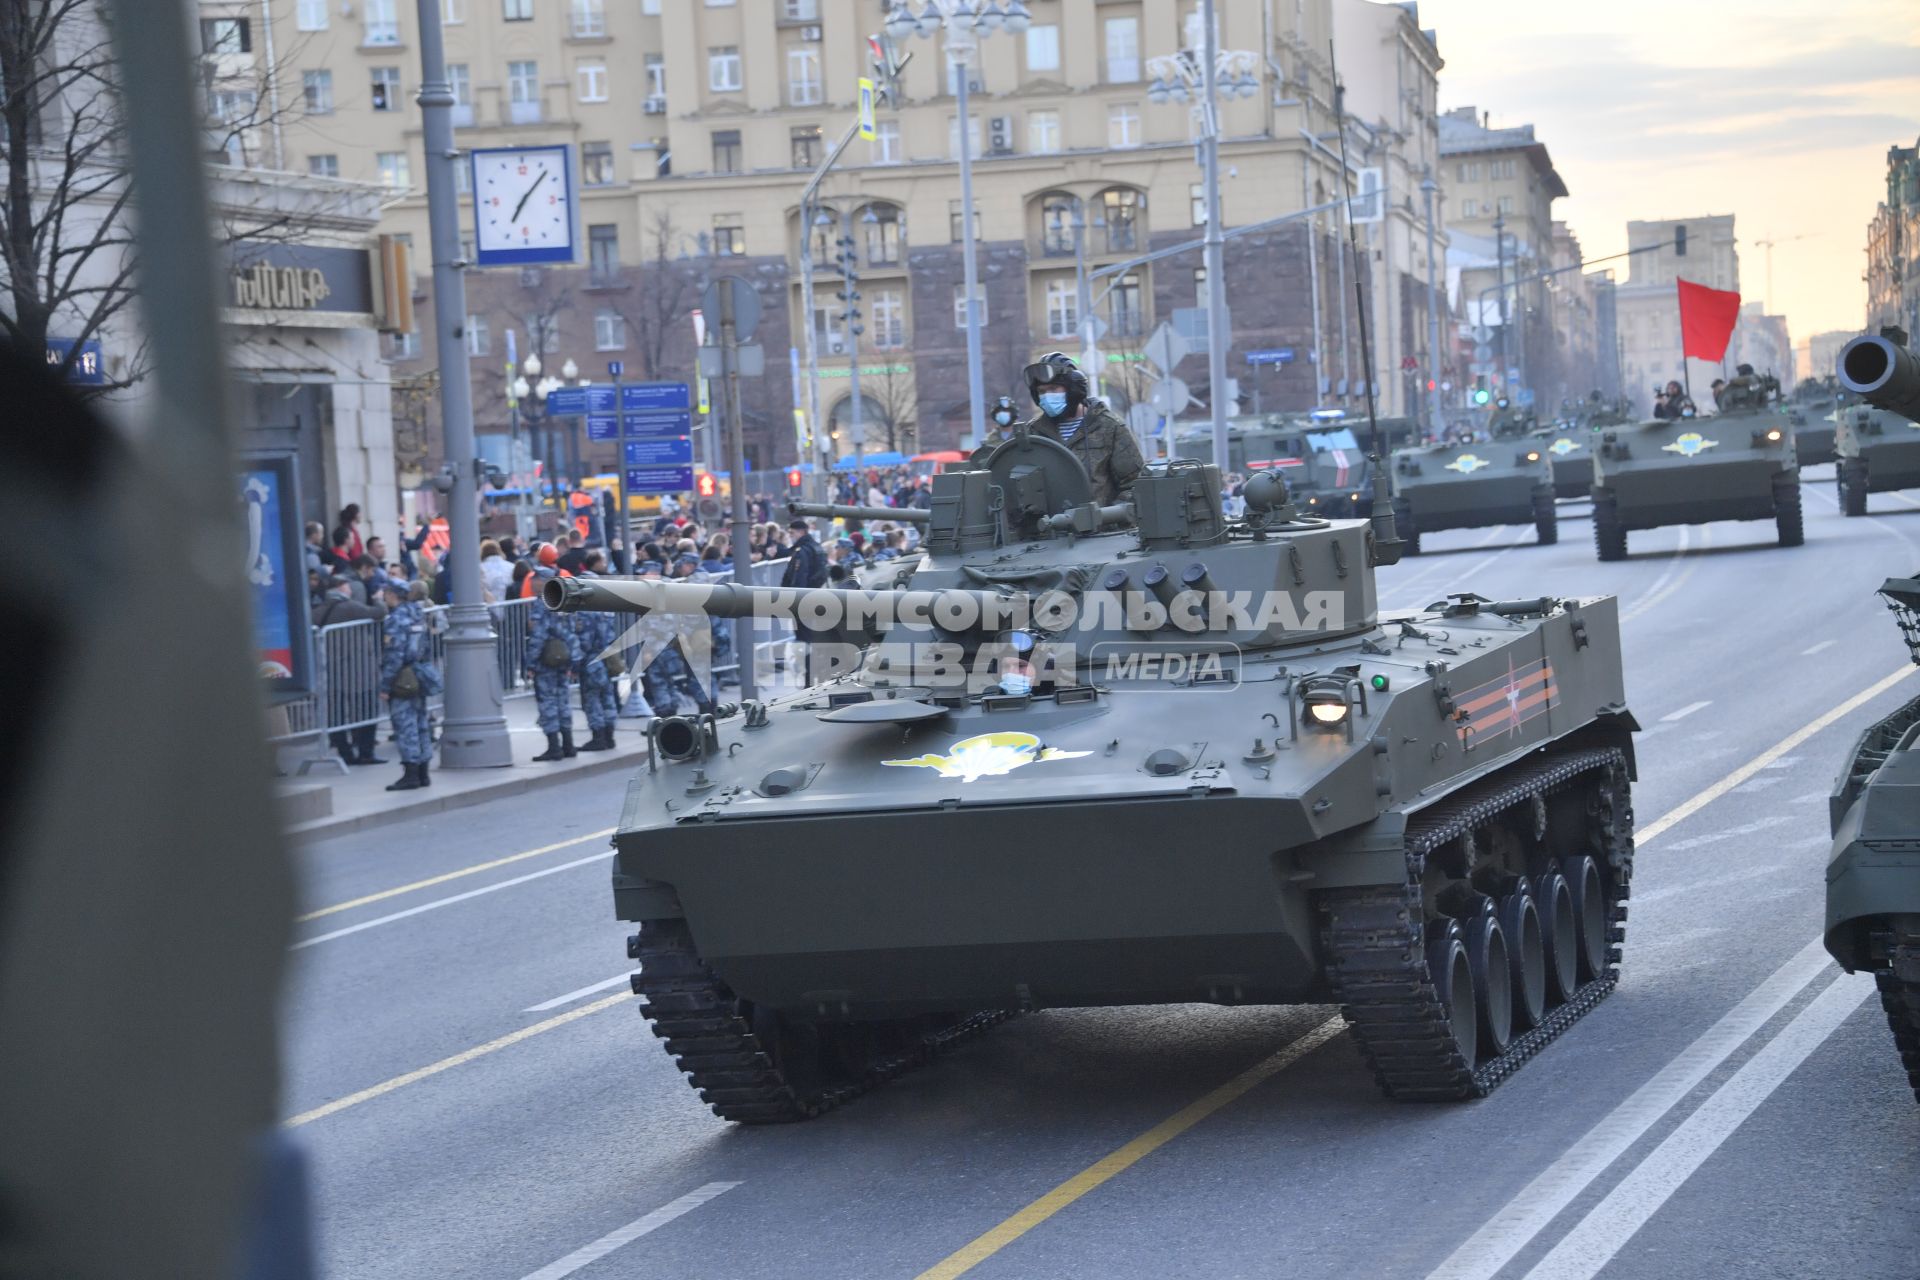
x: 1883, y: 373
x: 834, y: 511
x: 960, y: 609
x: 1117, y: 513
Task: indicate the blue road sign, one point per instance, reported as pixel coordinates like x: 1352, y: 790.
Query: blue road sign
x: 87, y: 369
x: 571, y: 402
x: 603, y: 426
x: 665, y: 451
x: 1272, y: 355
x: 616, y: 367
x: 659, y: 479
x: 640, y: 397
x: 660, y: 424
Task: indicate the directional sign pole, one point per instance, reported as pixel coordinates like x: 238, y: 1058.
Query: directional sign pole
x: 743, y: 628
x: 620, y: 437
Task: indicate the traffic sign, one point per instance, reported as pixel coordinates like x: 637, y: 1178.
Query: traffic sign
x: 866, y: 109
x: 1092, y: 329
x: 665, y: 451
x: 1272, y: 355
x: 1483, y: 353
x: 1165, y: 348
x: 660, y: 479
x: 603, y: 426
x: 639, y: 397
x: 1170, y: 396
x: 615, y: 368
x: 746, y: 306
x: 749, y: 361
x: 571, y: 402
x: 674, y: 422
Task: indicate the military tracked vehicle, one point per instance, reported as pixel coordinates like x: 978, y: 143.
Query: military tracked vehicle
x: 1507, y: 479
x: 1811, y: 409
x: 1736, y: 465
x: 1570, y: 446
x: 1879, y: 447
x: 1124, y: 755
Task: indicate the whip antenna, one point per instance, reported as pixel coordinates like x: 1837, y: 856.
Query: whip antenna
x: 1353, y: 248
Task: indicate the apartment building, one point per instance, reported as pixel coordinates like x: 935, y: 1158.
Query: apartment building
x: 1702, y: 250
x: 1893, y: 246
x: 695, y: 124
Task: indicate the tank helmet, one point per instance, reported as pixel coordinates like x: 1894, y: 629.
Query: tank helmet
x: 1004, y: 412
x: 1058, y: 368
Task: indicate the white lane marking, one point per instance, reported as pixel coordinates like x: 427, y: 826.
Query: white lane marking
x: 438, y: 903
x: 1686, y: 711
x: 571, y: 996
x: 589, y: 1254
x: 1639, y: 900
x: 1524, y: 1217
x: 1812, y: 649
x: 1666, y: 584
x: 1583, y: 1251
x: 1726, y: 833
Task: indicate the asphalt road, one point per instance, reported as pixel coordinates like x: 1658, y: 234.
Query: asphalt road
x: 476, y: 1106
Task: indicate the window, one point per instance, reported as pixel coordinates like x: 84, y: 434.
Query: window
x: 1470, y: 172
x: 953, y: 221
x: 479, y: 337
x: 1503, y: 168
x: 386, y: 88
x: 592, y: 77
x: 883, y: 235
x: 319, y: 90
x: 1122, y: 208
x: 404, y: 346
x: 1199, y: 286
x: 826, y: 245
x: 311, y: 15
x: 960, y: 305
x: 889, y: 316
x: 1043, y: 132
x: 1063, y: 309
x: 650, y: 8
x: 453, y: 12
x: 726, y: 151
x: 516, y: 10
x: 523, y: 92
x: 1043, y: 47
x: 1123, y: 50
x: 803, y: 77
x: 1197, y: 195
x: 800, y: 10
x: 462, y: 180
x: 596, y: 164
x: 603, y: 253
x: 1506, y: 204
x: 1056, y: 225
x: 587, y: 19
x: 953, y: 135
x: 1123, y: 126
x: 609, y: 331
x: 324, y: 166
x: 657, y: 76
x: 723, y: 69
x: 225, y: 35
x: 395, y: 172
x: 806, y: 146
x: 460, y: 80
x: 378, y: 23
x: 1126, y: 317
x: 885, y: 147
x: 729, y: 236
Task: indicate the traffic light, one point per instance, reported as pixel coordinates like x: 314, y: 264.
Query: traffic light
x: 707, y: 485
x: 793, y: 477
x: 1481, y: 395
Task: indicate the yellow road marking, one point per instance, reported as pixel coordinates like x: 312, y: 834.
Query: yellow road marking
x: 459, y: 1059
x: 984, y: 1247
x: 473, y: 870
x: 1767, y: 757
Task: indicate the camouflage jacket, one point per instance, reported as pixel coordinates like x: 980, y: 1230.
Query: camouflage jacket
x: 1105, y: 447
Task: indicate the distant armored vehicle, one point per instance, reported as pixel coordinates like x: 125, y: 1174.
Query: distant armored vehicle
x: 1737, y: 465
x: 1877, y: 439
x: 1123, y: 755
x: 1508, y: 479
x: 1811, y: 411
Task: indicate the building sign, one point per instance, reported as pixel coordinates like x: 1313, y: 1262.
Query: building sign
x: 295, y: 278
x: 86, y: 370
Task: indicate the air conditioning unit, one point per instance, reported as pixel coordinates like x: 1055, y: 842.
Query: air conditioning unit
x: 1000, y: 135
x: 810, y: 33
x: 655, y: 105
x: 836, y: 344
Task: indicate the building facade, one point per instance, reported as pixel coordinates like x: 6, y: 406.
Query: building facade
x: 1822, y: 352
x: 1893, y: 246
x: 1702, y: 250
x: 694, y: 127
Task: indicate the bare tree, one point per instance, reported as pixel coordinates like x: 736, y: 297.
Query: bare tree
x: 888, y: 399
x: 656, y: 313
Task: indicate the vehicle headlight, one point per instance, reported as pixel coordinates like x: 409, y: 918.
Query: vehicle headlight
x: 1327, y: 708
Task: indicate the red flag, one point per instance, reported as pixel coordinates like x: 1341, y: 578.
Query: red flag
x: 1707, y: 317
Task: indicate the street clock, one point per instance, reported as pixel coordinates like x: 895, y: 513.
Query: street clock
x: 523, y: 206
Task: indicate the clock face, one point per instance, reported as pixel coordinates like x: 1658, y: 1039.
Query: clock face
x: 523, y: 205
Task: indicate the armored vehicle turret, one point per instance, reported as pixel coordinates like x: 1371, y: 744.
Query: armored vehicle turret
x: 1738, y: 464
x: 1505, y: 478
x: 1129, y: 754
x: 1877, y: 437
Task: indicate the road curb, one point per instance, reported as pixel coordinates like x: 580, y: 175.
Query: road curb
x: 514, y: 781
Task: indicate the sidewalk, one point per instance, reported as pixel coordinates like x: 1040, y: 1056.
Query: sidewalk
x: 326, y: 802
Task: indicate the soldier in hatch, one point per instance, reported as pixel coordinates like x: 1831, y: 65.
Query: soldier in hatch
x: 1093, y: 432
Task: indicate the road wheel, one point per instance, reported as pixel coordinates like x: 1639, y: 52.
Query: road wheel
x: 1491, y: 966
x: 1852, y: 474
x: 1452, y: 975
x: 1546, y: 520
x: 1589, y: 900
x: 1526, y: 951
x: 1403, y: 523
x: 1786, y: 512
x: 1609, y: 535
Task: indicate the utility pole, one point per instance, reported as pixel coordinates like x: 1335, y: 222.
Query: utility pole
x: 1500, y: 279
x: 743, y: 630
x: 850, y: 317
x: 473, y: 734
x: 1427, y: 188
x: 1216, y: 247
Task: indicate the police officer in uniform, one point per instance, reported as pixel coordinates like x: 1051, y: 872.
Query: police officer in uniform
x: 598, y: 633
x: 554, y: 652
x: 1096, y: 436
x: 407, y: 677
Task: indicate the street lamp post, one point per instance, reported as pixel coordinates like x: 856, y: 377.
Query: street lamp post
x: 1427, y: 188
x: 964, y: 22
x: 473, y: 733
x: 530, y: 385
x: 1213, y: 72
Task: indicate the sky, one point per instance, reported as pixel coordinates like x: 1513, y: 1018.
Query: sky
x: 1779, y: 112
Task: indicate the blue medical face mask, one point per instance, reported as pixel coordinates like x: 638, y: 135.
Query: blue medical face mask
x: 1053, y: 403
